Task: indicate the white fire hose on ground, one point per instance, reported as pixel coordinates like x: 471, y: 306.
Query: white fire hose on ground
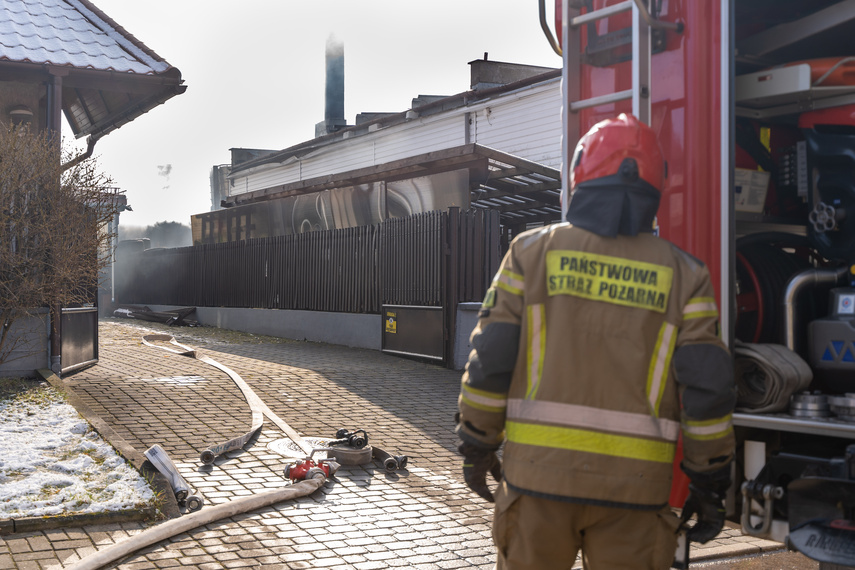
x: 315, y: 478
x: 189, y: 522
x: 256, y: 405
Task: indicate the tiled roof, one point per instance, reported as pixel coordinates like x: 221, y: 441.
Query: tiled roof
x: 107, y: 76
x: 71, y: 33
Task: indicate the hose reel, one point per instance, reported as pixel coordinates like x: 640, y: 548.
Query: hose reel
x: 765, y: 262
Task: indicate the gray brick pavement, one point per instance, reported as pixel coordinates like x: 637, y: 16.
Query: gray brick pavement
x: 365, y: 518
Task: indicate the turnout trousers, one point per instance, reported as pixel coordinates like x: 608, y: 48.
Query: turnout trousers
x: 531, y: 533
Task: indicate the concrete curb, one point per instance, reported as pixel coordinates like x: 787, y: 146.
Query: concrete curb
x: 30, y: 524
x: 748, y: 546
x: 733, y: 551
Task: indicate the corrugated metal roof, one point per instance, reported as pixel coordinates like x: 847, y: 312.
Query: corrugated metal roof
x: 71, y: 33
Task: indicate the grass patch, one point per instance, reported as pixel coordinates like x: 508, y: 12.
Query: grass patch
x: 92, y: 453
x: 10, y: 387
x: 50, y: 490
x: 36, y: 397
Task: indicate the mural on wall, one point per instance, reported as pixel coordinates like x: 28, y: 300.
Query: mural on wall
x: 427, y: 193
x: 345, y: 207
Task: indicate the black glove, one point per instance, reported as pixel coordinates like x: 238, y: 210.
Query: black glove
x: 706, y: 499
x: 709, y: 506
x: 477, y: 461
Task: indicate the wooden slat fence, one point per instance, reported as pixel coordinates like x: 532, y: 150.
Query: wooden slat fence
x: 355, y: 270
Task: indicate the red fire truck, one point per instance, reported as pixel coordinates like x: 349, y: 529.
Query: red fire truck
x: 754, y: 104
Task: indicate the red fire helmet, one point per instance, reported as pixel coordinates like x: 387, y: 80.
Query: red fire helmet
x: 603, y: 149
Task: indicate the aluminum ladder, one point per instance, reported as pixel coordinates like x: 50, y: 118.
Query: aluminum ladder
x: 572, y: 22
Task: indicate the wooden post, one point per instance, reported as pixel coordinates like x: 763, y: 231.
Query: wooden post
x: 451, y: 280
x: 54, y: 124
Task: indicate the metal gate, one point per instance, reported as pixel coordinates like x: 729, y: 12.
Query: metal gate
x: 79, y: 337
x: 432, y: 262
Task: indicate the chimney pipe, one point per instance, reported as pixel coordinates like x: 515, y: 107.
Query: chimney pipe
x: 334, y: 102
x: 335, y: 80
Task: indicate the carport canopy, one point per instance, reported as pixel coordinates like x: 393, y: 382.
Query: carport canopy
x: 522, y: 191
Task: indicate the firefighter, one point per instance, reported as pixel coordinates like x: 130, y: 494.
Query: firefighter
x: 596, y: 346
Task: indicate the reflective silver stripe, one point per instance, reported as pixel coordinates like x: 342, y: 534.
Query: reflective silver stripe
x: 510, y: 279
x: 700, y: 308
x: 535, y: 235
x: 497, y: 402
x: 708, y: 429
x: 592, y: 418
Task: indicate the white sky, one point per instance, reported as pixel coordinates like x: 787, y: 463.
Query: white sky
x: 255, y: 77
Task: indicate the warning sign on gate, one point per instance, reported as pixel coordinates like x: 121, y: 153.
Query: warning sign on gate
x: 391, y: 322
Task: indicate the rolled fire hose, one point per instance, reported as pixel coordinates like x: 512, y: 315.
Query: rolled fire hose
x: 189, y: 522
x: 257, y: 406
x: 767, y: 375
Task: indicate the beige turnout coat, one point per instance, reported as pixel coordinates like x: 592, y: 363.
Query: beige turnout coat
x: 591, y: 356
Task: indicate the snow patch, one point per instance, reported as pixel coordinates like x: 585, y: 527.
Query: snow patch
x: 53, y: 463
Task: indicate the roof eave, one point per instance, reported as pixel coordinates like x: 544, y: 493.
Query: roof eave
x: 127, y: 115
x: 155, y: 89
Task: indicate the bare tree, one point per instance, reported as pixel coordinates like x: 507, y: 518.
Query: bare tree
x: 54, y: 239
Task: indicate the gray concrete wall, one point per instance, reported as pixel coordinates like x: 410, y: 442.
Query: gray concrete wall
x: 32, y: 350
x: 467, y: 318
x: 348, y: 329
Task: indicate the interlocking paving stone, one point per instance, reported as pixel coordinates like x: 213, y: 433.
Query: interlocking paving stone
x: 423, y: 517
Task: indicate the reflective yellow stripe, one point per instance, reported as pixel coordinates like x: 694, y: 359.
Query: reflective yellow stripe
x: 699, y: 307
x: 574, y: 415
x: 704, y: 423
x: 483, y: 400
x: 510, y: 282
x: 590, y: 442
x: 489, y: 299
x: 536, y: 348
x: 615, y: 280
x: 708, y: 429
x: 660, y: 364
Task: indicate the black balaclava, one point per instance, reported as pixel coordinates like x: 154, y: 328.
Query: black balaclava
x: 618, y: 204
